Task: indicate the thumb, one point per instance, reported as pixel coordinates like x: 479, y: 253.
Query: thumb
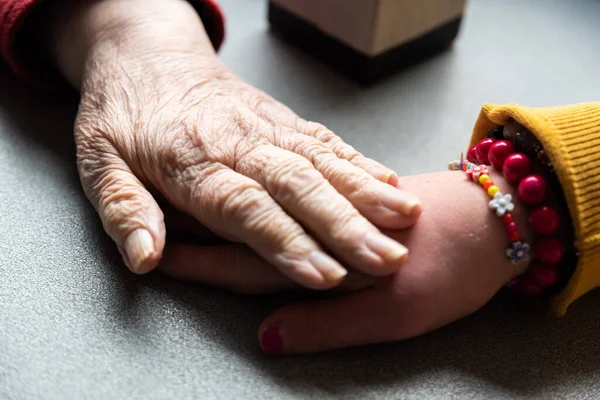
x: 129, y: 213
x: 360, y: 318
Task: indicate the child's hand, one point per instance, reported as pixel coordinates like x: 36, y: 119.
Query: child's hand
x: 457, y: 263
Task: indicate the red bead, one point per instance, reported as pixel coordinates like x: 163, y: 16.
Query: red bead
x: 532, y: 190
x: 528, y: 287
x: 499, y: 152
x: 508, y: 218
x: 514, y: 236
x: 472, y: 155
x: 488, y: 184
x: 483, y: 148
x: 544, y: 220
x: 516, y: 167
x: 549, y: 250
x: 511, y: 227
x: 543, y: 274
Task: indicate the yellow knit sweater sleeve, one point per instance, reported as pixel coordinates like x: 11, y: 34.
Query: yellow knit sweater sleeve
x: 570, y: 136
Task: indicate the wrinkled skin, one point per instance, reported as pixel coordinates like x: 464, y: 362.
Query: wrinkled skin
x: 161, y: 119
x: 456, y: 266
x: 169, y: 120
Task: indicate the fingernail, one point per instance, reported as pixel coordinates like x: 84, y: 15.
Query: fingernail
x: 139, y: 246
x: 271, y: 340
x: 399, y: 200
x: 393, y: 180
x: 388, y: 249
x: 383, y: 174
x: 327, y: 266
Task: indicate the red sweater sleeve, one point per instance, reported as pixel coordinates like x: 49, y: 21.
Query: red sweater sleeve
x: 14, y: 18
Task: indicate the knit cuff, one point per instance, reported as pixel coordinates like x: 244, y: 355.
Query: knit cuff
x: 213, y: 19
x: 570, y: 136
x: 18, y: 20
x: 13, y: 17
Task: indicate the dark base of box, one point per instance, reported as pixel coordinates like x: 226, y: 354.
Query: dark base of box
x: 365, y: 69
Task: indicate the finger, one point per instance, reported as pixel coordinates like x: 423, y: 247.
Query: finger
x: 347, y: 152
x: 382, y: 204
x: 233, y: 267
x: 232, y: 204
x: 128, y: 211
x: 307, y: 196
x: 361, y: 318
x: 237, y: 268
x: 278, y: 114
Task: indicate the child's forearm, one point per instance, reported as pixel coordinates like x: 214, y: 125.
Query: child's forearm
x: 457, y: 221
x: 457, y: 262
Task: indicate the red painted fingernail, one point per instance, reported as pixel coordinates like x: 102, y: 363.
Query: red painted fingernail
x: 271, y: 340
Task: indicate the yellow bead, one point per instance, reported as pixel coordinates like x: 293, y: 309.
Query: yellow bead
x: 493, y: 190
x: 484, y: 178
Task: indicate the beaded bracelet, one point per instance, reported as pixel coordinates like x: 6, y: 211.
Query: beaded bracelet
x: 526, y: 142
x: 532, y: 190
x: 502, y: 204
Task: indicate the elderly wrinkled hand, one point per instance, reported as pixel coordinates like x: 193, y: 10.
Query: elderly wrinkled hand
x: 161, y: 116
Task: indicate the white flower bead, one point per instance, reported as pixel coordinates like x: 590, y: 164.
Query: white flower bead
x: 502, y: 203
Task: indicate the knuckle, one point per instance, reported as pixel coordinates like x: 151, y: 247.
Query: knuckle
x: 321, y: 132
x: 333, y: 141
x: 351, y: 182
x: 292, y: 249
x: 185, y: 168
x: 362, y: 190
x: 94, y: 147
x: 244, y: 122
x: 312, y: 149
x: 119, y: 204
x: 295, y: 179
x: 255, y: 211
x: 347, y: 226
x: 276, y: 230
x: 262, y: 105
x: 295, y: 245
x: 92, y: 163
x: 347, y: 152
x: 96, y: 159
x: 249, y: 125
x: 344, y: 176
x: 243, y: 204
x: 340, y: 172
x: 285, y: 175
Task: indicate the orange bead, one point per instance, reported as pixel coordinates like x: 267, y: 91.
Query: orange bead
x: 514, y: 236
x: 465, y: 166
x: 488, y: 184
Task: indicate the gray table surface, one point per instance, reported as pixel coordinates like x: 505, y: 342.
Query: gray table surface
x: 75, y: 325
